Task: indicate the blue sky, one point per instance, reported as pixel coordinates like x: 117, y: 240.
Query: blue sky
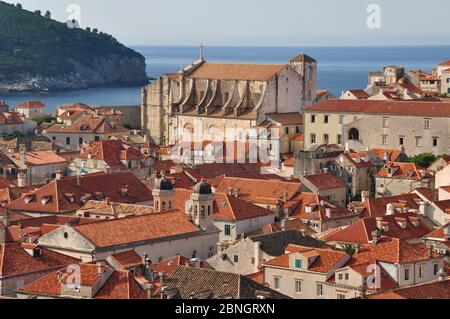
x: 259, y: 22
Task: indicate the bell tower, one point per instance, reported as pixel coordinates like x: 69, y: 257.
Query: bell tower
x: 202, y: 205
x: 163, y: 195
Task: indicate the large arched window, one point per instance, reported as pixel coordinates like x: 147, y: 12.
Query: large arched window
x: 353, y: 134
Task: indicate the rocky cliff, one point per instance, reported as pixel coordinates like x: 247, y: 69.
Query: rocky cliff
x: 41, y: 54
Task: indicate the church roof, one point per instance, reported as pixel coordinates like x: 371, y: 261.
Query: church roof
x: 237, y: 71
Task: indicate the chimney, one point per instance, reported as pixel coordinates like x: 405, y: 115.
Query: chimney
x: 441, y: 275
x: 447, y: 233
x: 285, y: 197
x: 365, y: 195
x: 148, y: 288
x: 78, y: 180
x: 303, y: 232
x: 257, y: 254
x: 101, y: 267
x: 22, y: 154
x: 379, y: 223
x: 59, y: 276
x: 423, y: 208
x: 230, y: 191
x: 431, y: 250
x: 325, y: 170
x: 328, y: 213
x: 162, y: 277
x: 22, y: 178
x: 390, y: 209
x: 2, y: 233
x: 236, y: 192
x: 284, y: 224
x: 59, y: 175
x: 376, y: 236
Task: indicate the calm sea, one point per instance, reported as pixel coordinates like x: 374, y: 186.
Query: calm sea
x: 340, y: 68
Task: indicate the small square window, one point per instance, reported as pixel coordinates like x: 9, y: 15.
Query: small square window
x: 276, y: 283
x: 401, y: 141
x: 236, y: 258
x: 385, y: 122
x: 298, y: 264
x: 427, y: 124
x: 384, y: 140
x: 313, y: 119
x: 435, y: 142
x: 298, y: 286
x: 418, y: 141
x: 326, y: 119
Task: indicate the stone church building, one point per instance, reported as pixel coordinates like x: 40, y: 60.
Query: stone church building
x: 221, y: 96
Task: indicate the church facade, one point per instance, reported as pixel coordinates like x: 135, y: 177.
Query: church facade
x: 210, y: 98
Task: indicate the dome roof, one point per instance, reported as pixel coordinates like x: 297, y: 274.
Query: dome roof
x: 202, y: 188
x: 163, y: 184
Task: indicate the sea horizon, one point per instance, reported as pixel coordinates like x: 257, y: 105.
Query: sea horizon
x: 339, y: 67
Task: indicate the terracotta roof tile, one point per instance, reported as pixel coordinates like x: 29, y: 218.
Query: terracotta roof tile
x: 235, y: 71
x: 414, y: 108
x: 66, y: 194
x: 429, y: 290
x: 31, y: 105
x: 325, y: 258
x: 40, y: 158
x: 15, y: 260
x: 135, y: 229
x: 324, y: 181
x: 361, y: 232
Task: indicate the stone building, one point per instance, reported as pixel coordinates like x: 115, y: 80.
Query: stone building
x: 314, y: 159
x: 417, y: 126
x: 400, y: 178
x: 389, y: 75
x: 225, y: 95
x: 31, y: 109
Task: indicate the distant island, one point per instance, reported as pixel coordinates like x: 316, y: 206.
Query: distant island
x: 41, y: 54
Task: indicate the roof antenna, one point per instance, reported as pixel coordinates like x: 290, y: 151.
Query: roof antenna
x: 201, y: 52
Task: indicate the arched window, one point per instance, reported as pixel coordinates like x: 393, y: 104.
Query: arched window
x: 353, y: 134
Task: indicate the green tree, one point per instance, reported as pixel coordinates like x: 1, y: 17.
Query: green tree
x: 38, y: 12
x: 423, y: 160
x: 48, y: 14
x: 349, y: 249
x: 19, y: 6
x: 43, y: 119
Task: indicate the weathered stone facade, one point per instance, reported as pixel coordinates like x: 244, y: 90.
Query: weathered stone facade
x: 219, y: 96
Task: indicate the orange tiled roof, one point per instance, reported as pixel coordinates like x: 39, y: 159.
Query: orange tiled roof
x: 325, y: 258
x: 236, y: 71
x: 70, y: 193
x: 376, y: 207
x: 361, y: 232
x: 40, y: 158
x: 14, y: 260
x: 7, y: 118
x: 394, y: 250
x: 127, y: 258
x: 314, y: 201
x: 252, y: 190
x: 412, y: 108
x: 429, y: 290
x: 325, y: 181
x: 113, y: 152
x: 226, y: 207
x: 89, y: 124
x: 122, y: 285
x: 136, y: 229
x: 401, y: 170
x: 31, y: 105
x: 360, y: 94
x: 392, y: 154
x: 169, y: 265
